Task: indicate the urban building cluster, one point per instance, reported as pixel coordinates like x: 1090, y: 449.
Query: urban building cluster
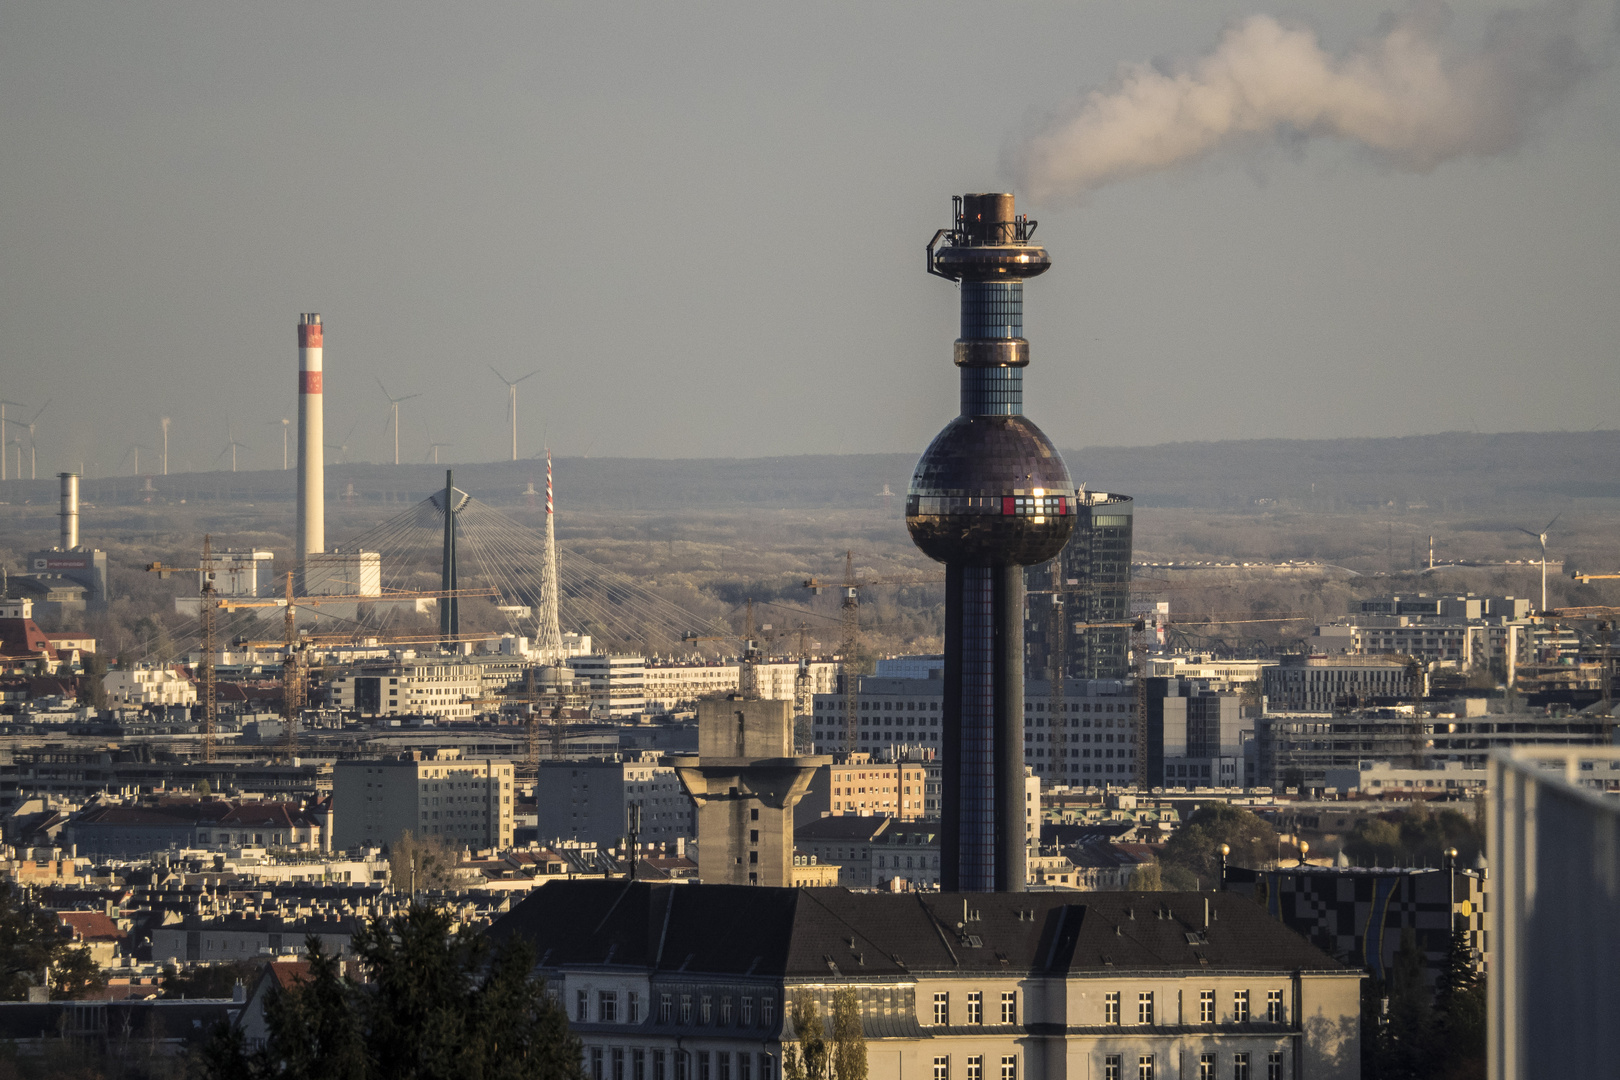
x: 968, y: 841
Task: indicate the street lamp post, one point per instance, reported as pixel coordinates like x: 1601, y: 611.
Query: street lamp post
x: 1451, y: 889
x: 1224, y: 850
x: 1304, y: 849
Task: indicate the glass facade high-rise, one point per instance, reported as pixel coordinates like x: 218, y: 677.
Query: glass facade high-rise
x: 1091, y: 580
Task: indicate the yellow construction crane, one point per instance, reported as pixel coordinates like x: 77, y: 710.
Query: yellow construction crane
x: 206, y: 668
x: 849, y: 644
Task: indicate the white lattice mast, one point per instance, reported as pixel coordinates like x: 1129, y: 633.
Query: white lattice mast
x: 548, y: 631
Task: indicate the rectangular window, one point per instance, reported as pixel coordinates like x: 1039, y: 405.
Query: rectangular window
x: 1206, y: 1006
x: 747, y: 1012
x: 1274, y: 1008
x: 1274, y: 1066
x: 723, y: 1064
x: 1009, y: 1068
x: 1206, y: 1067
x: 638, y: 1065
x: 607, y: 1006
x: 975, y: 1068
x: 703, y: 1066
x: 767, y: 1016
x: 745, y: 1066
x: 706, y: 1010
x: 767, y: 1067
x: 596, y: 1062
x: 683, y: 1071
x: 1111, y: 1007
x: 632, y: 1007
x: 1144, y: 1067
x: 686, y: 1008
x: 942, y: 1008
x: 1240, y: 1067
x: 582, y: 1006
x: 658, y: 1066
x: 1009, y: 1007
x: 975, y: 1005
x: 1240, y: 1006
x: 1111, y: 1066
x: 1144, y: 1008
x: 666, y: 1007
x: 942, y: 1068
x: 618, y: 1063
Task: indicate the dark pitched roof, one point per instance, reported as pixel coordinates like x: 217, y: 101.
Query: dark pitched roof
x: 744, y: 930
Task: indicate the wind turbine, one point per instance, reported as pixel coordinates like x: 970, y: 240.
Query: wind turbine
x: 16, y: 441
x: 343, y: 450
x: 393, y: 405
x: 511, y: 389
x: 33, y: 456
x: 134, y: 448
x: 165, y: 422
x: 232, y: 446
x: 284, y: 422
x: 1541, y: 538
x: 435, y: 448
x: 20, y: 405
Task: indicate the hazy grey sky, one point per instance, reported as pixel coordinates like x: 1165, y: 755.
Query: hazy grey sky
x: 704, y: 224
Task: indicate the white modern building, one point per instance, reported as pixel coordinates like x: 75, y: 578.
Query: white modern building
x: 617, y: 683
x: 135, y: 688
x: 410, y: 687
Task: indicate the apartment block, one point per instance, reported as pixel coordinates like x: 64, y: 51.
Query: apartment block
x: 467, y: 803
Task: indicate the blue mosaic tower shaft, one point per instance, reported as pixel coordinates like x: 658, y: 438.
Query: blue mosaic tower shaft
x: 989, y: 497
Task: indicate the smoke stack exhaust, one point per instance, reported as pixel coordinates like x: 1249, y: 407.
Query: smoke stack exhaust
x: 311, y: 444
x: 70, y: 510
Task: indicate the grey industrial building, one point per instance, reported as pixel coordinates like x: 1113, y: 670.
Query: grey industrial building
x: 590, y: 800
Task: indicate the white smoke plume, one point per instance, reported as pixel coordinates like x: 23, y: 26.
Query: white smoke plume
x: 1402, y: 94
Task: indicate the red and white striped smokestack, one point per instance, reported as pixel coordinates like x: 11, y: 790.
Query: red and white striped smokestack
x: 311, y: 444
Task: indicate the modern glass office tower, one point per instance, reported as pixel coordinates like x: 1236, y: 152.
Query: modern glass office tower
x: 989, y: 497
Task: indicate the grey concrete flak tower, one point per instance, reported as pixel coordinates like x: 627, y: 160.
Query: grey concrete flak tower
x: 989, y: 497
x: 745, y: 780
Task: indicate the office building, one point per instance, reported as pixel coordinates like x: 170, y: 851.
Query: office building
x: 438, y: 794
x: 1080, y: 602
x: 617, y: 684
x: 591, y: 800
x: 1195, y: 738
x: 1091, y: 740
x: 415, y: 686
x: 1302, y: 683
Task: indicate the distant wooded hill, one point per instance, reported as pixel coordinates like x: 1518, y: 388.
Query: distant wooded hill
x: 1453, y: 470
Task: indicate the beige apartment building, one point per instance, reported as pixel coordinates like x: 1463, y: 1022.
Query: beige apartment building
x: 465, y: 802
x: 691, y: 982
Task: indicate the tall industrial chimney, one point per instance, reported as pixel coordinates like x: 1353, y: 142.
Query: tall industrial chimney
x: 311, y: 445
x: 70, y: 510
x: 989, y: 497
